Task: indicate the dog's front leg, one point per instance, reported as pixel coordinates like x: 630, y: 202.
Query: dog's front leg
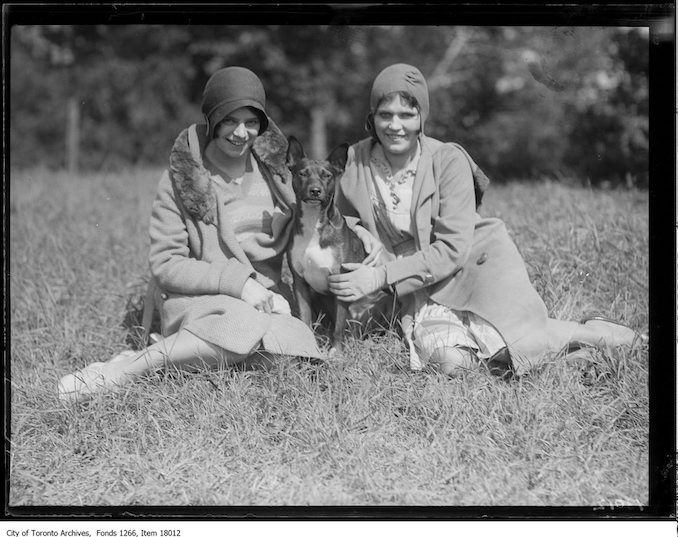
x: 302, y: 292
x: 340, y: 326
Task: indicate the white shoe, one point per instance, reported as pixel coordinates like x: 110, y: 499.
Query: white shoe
x: 89, y: 380
x: 82, y: 383
x: 616, y: 333
x: 122, y: 355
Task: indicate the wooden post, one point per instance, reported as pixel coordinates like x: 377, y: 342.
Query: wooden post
x: 318, y: 133
x: 72, y: 135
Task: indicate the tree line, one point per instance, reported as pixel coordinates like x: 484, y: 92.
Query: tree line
x: 527, y: 102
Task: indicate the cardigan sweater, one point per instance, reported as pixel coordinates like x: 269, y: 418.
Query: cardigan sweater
x: 463, y: 261
x: 200, y: 267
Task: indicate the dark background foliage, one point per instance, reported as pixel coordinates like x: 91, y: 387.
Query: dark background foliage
x: 527, y: 102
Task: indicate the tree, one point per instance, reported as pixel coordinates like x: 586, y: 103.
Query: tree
x: 525, y: 101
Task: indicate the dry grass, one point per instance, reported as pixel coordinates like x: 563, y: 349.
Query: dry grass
x: 363, y: 431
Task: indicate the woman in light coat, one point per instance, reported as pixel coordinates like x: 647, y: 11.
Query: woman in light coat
x: 219, y: 227
x: 465, y: 294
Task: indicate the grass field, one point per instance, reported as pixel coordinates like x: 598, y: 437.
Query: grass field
x: 363, y: 431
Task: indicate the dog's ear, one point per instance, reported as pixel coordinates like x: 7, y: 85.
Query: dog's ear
x: 295, y: 152
x: 338, y: 157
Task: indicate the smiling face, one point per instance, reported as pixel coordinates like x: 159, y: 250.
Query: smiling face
x: 235, y: 134
x: 397, y: 125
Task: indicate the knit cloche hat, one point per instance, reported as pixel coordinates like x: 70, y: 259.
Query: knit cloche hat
x: 401, y: 77
x: 227, y: 90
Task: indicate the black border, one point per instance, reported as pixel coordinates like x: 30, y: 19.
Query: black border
x: 660, y: 18
x: 525, y: 13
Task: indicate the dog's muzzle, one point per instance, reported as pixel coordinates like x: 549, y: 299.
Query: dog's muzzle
x: 314, y: 194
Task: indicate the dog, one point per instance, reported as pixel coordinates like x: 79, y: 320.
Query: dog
x: 321, y: 241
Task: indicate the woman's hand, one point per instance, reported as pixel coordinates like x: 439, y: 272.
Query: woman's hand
x: 262, y: 299
x: 360, y: 281
x: 257, y: 296
x: 372, y: 245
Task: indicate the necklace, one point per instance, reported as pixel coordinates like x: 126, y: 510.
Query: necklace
x: 392, y: 180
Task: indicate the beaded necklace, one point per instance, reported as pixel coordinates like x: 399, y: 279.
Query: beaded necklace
x: 399, y: 178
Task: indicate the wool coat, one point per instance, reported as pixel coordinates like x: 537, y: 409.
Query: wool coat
x: 462, y: 260
x: 197, y: 265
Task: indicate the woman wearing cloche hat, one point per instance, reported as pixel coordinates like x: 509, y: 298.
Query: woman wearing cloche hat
x: 465, y: 295
x: 220, y: 223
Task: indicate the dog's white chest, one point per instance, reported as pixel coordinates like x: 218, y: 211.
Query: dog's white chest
x: 318, y: 265
x: 310, y: 261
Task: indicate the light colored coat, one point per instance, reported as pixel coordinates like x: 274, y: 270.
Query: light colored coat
x: 464, y: 262
x: 198, y: 266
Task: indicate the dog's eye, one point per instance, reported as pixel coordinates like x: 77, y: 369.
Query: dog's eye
x: 326, y: 174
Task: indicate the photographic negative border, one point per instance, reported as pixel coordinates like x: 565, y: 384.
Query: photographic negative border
x: 659, y: 18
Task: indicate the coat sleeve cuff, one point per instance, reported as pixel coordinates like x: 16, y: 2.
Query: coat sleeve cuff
x: 404, y: 278
x: 233, y: 278
x: 403, y: 268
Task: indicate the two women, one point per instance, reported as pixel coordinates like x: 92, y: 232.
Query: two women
x: 222, y: 218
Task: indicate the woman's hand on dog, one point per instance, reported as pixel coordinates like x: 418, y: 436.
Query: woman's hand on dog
x: 262, y: 299
x: 358, y: 282
x: 372, y: 245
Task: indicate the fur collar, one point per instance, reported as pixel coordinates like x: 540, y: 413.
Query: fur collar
x: 192, y: 180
